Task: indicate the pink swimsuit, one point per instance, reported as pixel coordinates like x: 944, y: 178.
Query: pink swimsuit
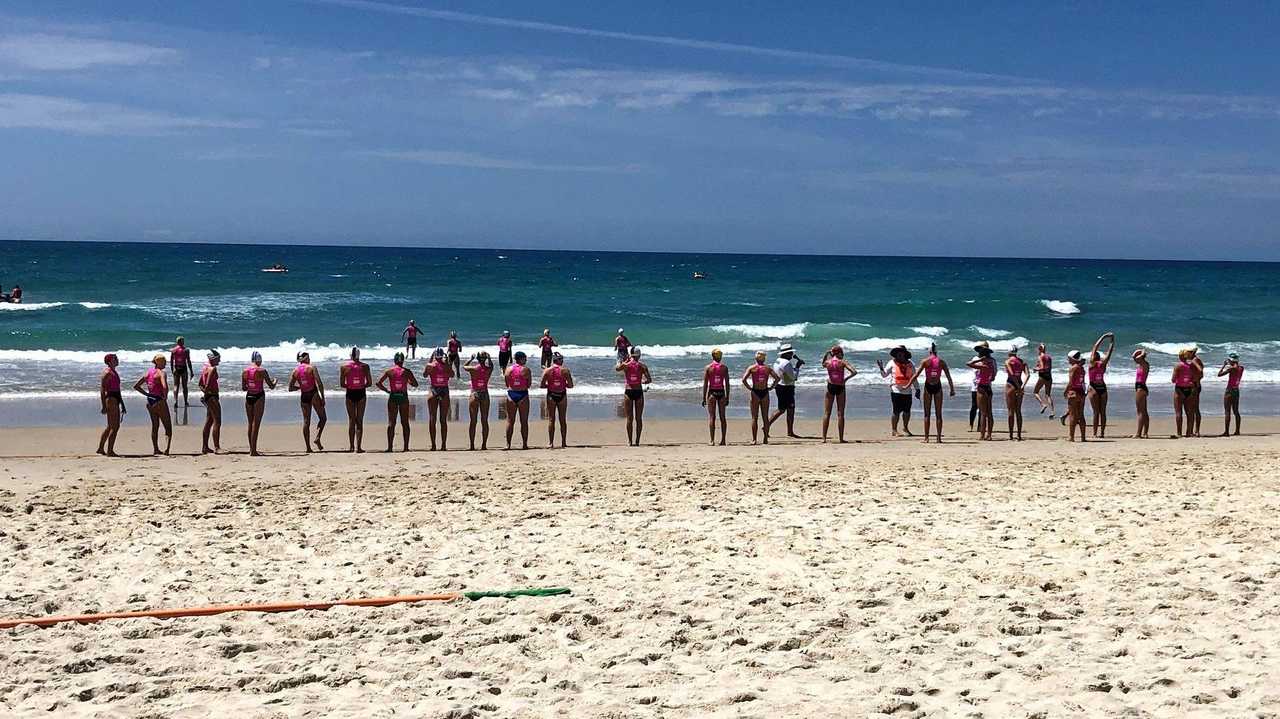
x: 716, y: 380
x: 480, y: 378
x: 504, y: 344
x: 760, y: 375
x: 1098, y: 373
x: 1182, y: 375
x: 155, y: 382
x: 1140, y: 377
x: 113, y: 381
x: 932, y: 369
x: 835, y: 371
x: 210, y: 385
x: 355, y: 376
x: 555, y: 380
x: 397, y: 380
x: 519, y: 378
x: 253, y: 379
x: 632, y: 373
x: 1233, y: 377
x: 306, y: 382
x: 439, y: 374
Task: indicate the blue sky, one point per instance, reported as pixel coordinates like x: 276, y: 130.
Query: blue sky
x: 1021, y: 129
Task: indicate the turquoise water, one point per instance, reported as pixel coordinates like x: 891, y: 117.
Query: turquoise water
x: 84, y: 299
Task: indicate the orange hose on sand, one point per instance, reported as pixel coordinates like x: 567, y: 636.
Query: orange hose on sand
x: 223, y: 609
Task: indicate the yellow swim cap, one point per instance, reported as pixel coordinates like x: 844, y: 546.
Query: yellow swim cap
x: 716, y: 354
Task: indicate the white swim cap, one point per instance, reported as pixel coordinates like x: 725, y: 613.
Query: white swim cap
x: 256, y: 357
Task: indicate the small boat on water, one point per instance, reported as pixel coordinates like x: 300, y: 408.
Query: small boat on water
x: 699, y: 275
x: 276, y: 268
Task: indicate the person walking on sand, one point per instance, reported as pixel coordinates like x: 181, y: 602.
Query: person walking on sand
x: 621, y: 345
x: 519, y: 378
x: 715, y: 393
x: 504, y: 351
x: 1044, y: 380
x: 454, y: 346
x: 1075, y: 393
x: 635, y: 375
x: 440, y: 371
x: 1233, y: 371
x: 396, y: 381
x: 255, y: 380
x: 355, y: 377
x: 209, y: 397
x: 155, y: 388
x: 180, y: 361
x: 1016, y: 375
x: 901, y: 386
x: 787, y: 367
x: 1098, y: 363
x: 1141, y: 393
x: 984, y: 373
x: 410, y: 337
x: 756, y: 379
x: 112, y: 404
x: 547, y: 343
x: 839, y: 372
x: 480, y: 369
x: 557, y: 381
x: 307, y: 382
x: 934, y: 369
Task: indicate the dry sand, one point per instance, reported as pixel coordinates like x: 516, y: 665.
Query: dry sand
x: 1124, y: 578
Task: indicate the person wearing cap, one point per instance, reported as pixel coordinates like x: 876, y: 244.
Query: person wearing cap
x: 1097, y: 374
x: 255, y: 380
x: 557, y: 381
x: 1197, y: 376
x: 1044, y: 380
x: 180, y: 361
x: 1183, y: 388
x: 756, y: 379
x: 902, y: 386
x: 306, y: 380
x: 787, y: 367
x: 934, y: 369
x: 439, y: 370
x: 1074, y: 393
x: 396, y: 381
x: 356, y: 378
x: 547, y: 343
x: 155, y: 388
x: 635, y: 375
x: 839, y: 372
x: 1015, y: 386
x: 984, y: 373
x: 715, y: 393
x: 621, y: 345
x: 1141, y: 393
x: 410, y: 337
x: 112, y: 404
x: 519, y: 378
x: 454, y: 346
x: 208, y: 384
x: 1233, y: 371
x: 504, y: 350
x: 480, y: 369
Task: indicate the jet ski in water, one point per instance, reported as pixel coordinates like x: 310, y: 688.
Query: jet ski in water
x: 277, y: 267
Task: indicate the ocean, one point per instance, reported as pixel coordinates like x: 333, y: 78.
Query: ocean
x: 84, y: 299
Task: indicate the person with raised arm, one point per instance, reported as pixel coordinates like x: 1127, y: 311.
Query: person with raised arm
x: 1233, y: 371
x: 1098, y: 362
x: 787, y: 367
x: 984, y: 373
x: 480, y: 369
x: 839, y: 372
x: 934, y: 368
x: 440, y: 370
x: 902, y: 385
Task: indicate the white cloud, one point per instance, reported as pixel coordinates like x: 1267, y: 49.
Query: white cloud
x: 46, y: 52
x: 454, y: 158
x: 64, y: 114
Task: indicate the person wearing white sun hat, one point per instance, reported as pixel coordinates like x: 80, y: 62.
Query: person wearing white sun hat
x: 787, y: 367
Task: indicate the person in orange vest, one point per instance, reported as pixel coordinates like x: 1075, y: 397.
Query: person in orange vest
x: 902, y: 386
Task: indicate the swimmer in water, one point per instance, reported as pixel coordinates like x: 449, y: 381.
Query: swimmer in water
x: 557, y: 381
x: 410, y: 337
x: 1098, y: 363
x: 305, y: 379
x: 1015, y: 386
x: 180, y: 361
x: 519, y: 378
x: 396, y: 381
x: 1233, y: 371
x: 984, y: 369
x: 255, y: 380
x: 355, y: 377
x: 1075, y: 393
x: 1044, y: 380
x: 759, y: 379
x: 621, y: 345
x: 547, y: 343
x: 934, y: 369
x: 454, y: 346
x: 504, y: 350
x: 1197, y: 374
x: 635, y: 376
x: 839, y: 372
x: 480, y: 368
x: 1141, y: 393
x: 112, y: 405
x: 208, y: 383
x: 155, y: 388
x: 439, y: 370
x: 715, y: 394
x: 901, y: 387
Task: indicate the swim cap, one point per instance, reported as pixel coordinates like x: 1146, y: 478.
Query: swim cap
x: 1138, y: 353
x: 635, y: 350
x: 438, y: 352
x: 213, y: 355
x: 837, y: 351
x: 546, y: 332
x: 483, y: 356
x: 157, y: 358
x: 716, y: 354
x: 521, y: 357
x: 181, y: 339
x: 355, y: 353
x: 506, y: 333
x: 1233, y: 356
x: 619, y: 330
x: 399, y: 358
x: 256, y: 357
x: 557, y: 358
x: 106, y: 359
x: 760, y: 356
x: 298, y: 357
x: 1074, y: 355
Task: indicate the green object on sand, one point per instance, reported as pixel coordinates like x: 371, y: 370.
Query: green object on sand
x: 513, y: 593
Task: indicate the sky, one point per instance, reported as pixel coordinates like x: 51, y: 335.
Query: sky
x: 1054, y: 129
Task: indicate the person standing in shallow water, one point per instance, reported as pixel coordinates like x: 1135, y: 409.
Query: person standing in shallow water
x: 410, y: 337
x: 547, y: 343
x: 180, y: 361
x: 504, y: 351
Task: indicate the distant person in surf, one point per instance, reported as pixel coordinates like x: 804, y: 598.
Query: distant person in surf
x: 306, y: 380
x: 787, y: 367
x: 180, y: 361
x: 1098, y: 362
x: 518, y: 378
x: 112, y: 404
x: 557, y: 381
x: 410, y: 337
x: 1233, y: 371
x: 759, y: 379
x: 454, y: 347
x: 902, y: 385
x: 480, y: 369
x: 1044, y: 380
x: 1184, y: 387
x: 1141, y: 393
x: 934, y: 369
x: 208, y: 384
x: 355, y: 377
x: 547, y: 343
x: 635, y: 375
x: 839, y: 372
x: 439, y: 371
x: 504, y: 350
x: 621, y: 345
x: 1075, y: 394
x: 255, y: 380
x: 155, y: 388
x: 984, y: 373
x: 715, y: 394
x: 1197, y: 373
x: 396, y: 381
x: 1015, y: 386
x: 16, y: 295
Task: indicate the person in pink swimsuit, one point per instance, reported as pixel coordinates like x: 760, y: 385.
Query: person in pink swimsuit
x: 439, y: 371
x: 715, y: 394
x: 1098, y: 362
x: 155, y: 388
x: 635, y: 376
x: 984, y: 367
x: 480, y: 368
x: 839, y: 372
x: 112, y: 405
x: 255, y: 380
x: 306, y: 380
x: 934, y: 369
x: 504, y: 351
x: 1197, y: 377
x: 1141, y: 393
x: 1183, y: 388
x: 1015, y: 385
x: 396, y: 381
x: 546, y: 343
x: 1233, y: 371
x: 410, y: 337
x: 1044, y: 380
x: 212, y: 404
x: 454, y: 346
x: 519, y: 378
x: 180, y: 361
x: 355, y: 377
x: 557, y: 381
x: 1075, y: 393
x: 759, y: 379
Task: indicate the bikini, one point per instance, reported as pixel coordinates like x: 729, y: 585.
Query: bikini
x: 1098, y: 377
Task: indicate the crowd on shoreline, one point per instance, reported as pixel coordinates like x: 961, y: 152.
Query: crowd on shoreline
x: 771, y: 386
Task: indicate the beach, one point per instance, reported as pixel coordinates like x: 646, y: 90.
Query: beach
x: 1117, y: 578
